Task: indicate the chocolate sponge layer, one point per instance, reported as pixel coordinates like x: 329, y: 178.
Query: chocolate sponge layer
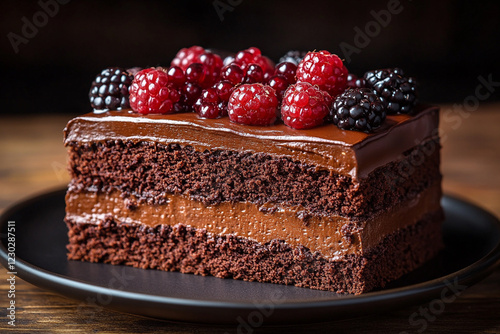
x: 188, y: 250
x: 150, y: 170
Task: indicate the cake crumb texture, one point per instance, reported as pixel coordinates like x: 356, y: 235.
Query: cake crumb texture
x: 189, y: 250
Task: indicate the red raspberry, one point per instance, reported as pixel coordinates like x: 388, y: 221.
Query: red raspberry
x: 187, y: 56
x: 280, y: 84
x: 149, y: 92
x: 253, y: 56
x: 213, y: 65
x: 206, y: 74
x: 233, y: 73
x: 287, y: 70
x: 209, y: 104
x: 190, y: 93
x: 176, y: 76
x: 224, y: 90
x: 305, y: 106
x: 325, y: 70
x: 253, y: 104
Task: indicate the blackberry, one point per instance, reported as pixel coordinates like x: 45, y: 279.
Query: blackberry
x: 358, y: 109
x: 293, y: 56
x: 109, y: 91
x: 397, y: 92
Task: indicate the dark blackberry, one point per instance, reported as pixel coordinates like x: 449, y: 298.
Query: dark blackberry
x: 354, y: 82
x: 358, y: 109
x: 293, y: 56
x: 109, y: 91
x: 397, y: 92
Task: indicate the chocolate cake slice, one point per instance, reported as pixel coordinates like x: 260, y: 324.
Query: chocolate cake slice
x: 321, y: 208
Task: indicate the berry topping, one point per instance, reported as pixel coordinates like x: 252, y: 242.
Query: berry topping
x: 254, y: 74
x: 397, y: 92
x: 287, y: 70
x: 213, y: 65
x: 253, y: 104
x: 190, y: 93
x: 209, y: 104
x: 195, y: 73
x: 187, y: 56
x: 253, y: 56
x: 149, y: 92
x: 325, y: 70
x: 109, y: 91
x: 176, y: 76
x: 206, y: 72
x: 354, y: 82
x: 293, y: 56
x: 280, y: 84
x: 232, y: 73
x: 358, y: 109
x: 224, y: 90
x: 305, y: 106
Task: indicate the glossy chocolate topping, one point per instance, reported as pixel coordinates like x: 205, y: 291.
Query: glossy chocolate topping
x: 345, y: 152
x: 244, y: 219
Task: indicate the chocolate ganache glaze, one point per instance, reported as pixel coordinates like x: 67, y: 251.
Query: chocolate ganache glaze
x: 326, y: 147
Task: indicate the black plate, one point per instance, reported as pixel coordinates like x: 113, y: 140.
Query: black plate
x: 472, y: 239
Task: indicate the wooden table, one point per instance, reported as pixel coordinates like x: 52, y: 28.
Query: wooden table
x: 33, y: 160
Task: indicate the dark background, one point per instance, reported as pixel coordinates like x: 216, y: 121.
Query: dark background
x: 445, y: 44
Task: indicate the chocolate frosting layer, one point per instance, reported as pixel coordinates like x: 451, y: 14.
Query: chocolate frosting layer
x: 344, y: 152
x: 332, y: 236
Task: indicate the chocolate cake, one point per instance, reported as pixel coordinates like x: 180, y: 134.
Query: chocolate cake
x: 322, y: 208
x: 298, y: 173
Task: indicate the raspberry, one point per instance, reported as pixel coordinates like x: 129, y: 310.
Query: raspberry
x: 176, y: 76
x: 213, y: 101
x: 187, y: 56
x: 293, y: 56
x: 207, y: 74
x: 253, y: 104
x: 354, y: 82
x: 208, y: 104
x: 305, y: 106
x: 109, y: 91
x: 149, y: 92
x: 224, y: 90
x: 397, y: 92
x: 280, y: 84
x: 228, y: 60
x: 358, y: 109
x: 195, y: 73
x: 213, y: 65
x: 253, y: 56
x: 325, y: 70
x: 190, y: 93
x: 287, y: 70
x: 254, y: 74
x: 233, y: 73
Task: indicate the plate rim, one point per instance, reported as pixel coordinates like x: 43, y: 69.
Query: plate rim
x: 48, y: 280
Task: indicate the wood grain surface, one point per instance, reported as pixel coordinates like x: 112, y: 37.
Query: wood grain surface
x: 33, y: 159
